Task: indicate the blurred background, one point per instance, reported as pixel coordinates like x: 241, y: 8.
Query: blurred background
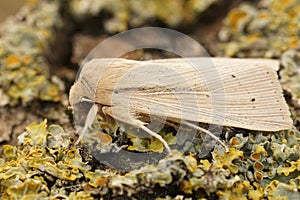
x: 9, y: 7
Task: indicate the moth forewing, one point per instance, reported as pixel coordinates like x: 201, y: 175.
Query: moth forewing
x: 252, y: 94
x: 242, y: 93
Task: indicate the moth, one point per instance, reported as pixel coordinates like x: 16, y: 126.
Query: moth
x: 243, y: 93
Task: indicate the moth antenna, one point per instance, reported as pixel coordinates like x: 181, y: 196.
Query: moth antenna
x: 82, y: 133
x: 90, y: 118
x: 207, y: 132
x: 157, y: 136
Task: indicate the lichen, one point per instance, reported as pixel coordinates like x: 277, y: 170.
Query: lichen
x: 263, y: 30
x: 150, y: 144
x: 135, y: 13
x: 45, y: 164
x: 24, y: 71
x: 30, y: 166
x: 290, y: 76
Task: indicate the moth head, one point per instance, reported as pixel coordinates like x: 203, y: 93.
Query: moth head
x: 76, y: 93
x: 80, y: 102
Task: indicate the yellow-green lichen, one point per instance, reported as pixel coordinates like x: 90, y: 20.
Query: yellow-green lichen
x: 24, y: 71
x: 150, y: 144
x: 281, y: 191
x: 226, y: 160
x: 45, y: 164
x: 263, y: 30
x: 135, y: 13
x: 290, y: 80
x: 33, y: 161
x: 29, y: 189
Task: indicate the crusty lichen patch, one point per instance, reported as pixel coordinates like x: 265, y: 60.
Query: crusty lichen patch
x: 24, y: 70
x: 46, y: 164
x: 263, y: 30
x: 135, y: 13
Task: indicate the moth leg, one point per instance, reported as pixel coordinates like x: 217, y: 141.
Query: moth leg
x: 157, y: 136
x: 90, y: 118
x: 136, y: 123
x: 207, y: 132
